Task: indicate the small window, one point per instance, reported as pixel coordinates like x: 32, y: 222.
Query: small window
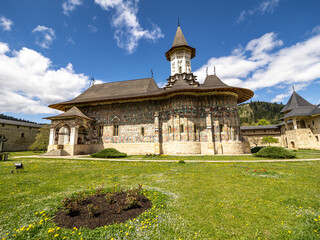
x: 254, y: 131
x: 116, y: 129
x: 317, y: 138
x: 195, y: 129
x: 264, y: 130
x: 18, y: 126
x: 142, y: 131
x: 312, y: 122
x: 30, y: 128
x: 2, y: 124
x: 180, y: 69
x: 100, y: 130
x: 170, y: 129
x: 22, y: 135
x: 181, y: 128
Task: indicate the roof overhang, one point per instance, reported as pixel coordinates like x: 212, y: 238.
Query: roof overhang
x: 179, y: 48
x: 242, y: 95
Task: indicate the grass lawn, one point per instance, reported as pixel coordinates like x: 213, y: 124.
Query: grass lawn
x: 191, y: 201
x: 25, y: 153
x: 301, y: 154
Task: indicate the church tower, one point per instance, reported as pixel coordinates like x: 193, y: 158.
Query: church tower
x: 179, y: 56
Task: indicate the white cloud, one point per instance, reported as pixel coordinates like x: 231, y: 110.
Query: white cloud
x: 262, y: 63
x: 70, y: 5
x: 4, y: 47
x: 128, y: 30
x: 70, y: 40
x: 45, y: 36
x: 280, y: 97
x: 5, y: 23
x: 29, y: 83
x: 92, y: 28
x: 267, y: 6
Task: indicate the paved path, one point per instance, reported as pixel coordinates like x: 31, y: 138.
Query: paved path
x: 82, y: 157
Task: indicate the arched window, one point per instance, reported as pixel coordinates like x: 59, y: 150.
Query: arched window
x: 101, y: 130
x: 115, y: 129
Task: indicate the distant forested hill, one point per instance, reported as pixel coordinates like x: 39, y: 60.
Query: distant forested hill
x: 2, y: 116
x: 250, y: 113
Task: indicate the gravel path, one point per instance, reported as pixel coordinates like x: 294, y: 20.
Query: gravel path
x: 82, y: 157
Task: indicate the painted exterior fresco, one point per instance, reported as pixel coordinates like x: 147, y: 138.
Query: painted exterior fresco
x: 181, y: 118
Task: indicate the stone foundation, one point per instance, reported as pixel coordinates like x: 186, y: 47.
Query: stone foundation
x: 172, y: 148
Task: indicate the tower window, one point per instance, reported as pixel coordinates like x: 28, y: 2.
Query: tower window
x: 142, y: 131
x: 180, y: 69
x: 115, y: 129
x: 312, y: 122
x: 2, y: 124
x: 181, y: 128
x: 22, y: 135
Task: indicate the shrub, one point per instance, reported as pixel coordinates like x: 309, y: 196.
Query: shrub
x: 181, y: 161
x: 274, y: 152
x: 92, y: 210
x: 109, y: 153
x: 256, y: 149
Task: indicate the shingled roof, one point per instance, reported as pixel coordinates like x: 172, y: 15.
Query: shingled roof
x: 298, y: 106
x: 71, y: 113
x: 315, y: 111
x: 179, y: 39
x: 213, y: 81
x: 116, y: 90
x: 260, y: 127
x: 19, y: 123
x: 147, y: 87
x: 178, y: 42
x: 295, y: 101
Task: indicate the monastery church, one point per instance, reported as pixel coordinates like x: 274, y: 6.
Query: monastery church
x: 138, y: 117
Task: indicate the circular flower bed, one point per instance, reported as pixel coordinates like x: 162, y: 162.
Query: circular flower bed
x: 101, y: 208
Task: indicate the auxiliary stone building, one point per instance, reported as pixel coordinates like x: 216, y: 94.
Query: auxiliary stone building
x: 138, y: 117
x: 17, y: 135
x: 300, y: 128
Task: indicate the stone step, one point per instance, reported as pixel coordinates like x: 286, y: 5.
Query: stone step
x: 56, y: 152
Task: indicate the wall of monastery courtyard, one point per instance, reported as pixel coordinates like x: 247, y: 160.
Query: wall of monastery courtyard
x: 303, y: 133
x: 19, y: 138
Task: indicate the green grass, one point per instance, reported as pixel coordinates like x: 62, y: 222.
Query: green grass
x: 192, y: 200
x: 25, y: 153
x: 301, y: 154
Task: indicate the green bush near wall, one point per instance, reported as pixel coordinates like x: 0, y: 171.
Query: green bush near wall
x: 274, y: 152
x: 109, y: 153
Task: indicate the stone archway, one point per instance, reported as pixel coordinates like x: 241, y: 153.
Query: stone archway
x: 62, y: 135
x: 292, y: 144
x: 82, y: 135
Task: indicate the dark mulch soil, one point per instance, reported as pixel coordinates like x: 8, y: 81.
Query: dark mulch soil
x: 106, y: 213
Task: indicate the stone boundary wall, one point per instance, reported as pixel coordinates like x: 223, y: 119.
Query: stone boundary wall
x: 19, y: 137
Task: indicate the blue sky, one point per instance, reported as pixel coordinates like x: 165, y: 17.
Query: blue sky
x: 49, y: 50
